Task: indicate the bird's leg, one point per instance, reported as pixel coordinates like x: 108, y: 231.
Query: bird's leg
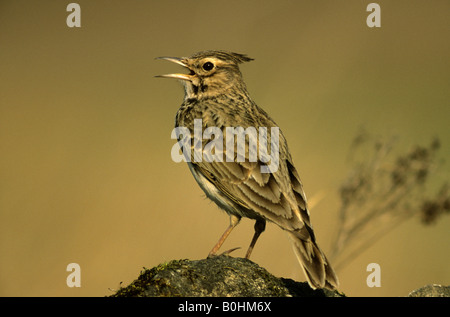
x: 260, y: 226
x: 234, y: 220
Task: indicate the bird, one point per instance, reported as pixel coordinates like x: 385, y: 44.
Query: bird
x: 216, y: 94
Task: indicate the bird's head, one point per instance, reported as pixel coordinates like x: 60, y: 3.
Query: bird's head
x: 211, y: 73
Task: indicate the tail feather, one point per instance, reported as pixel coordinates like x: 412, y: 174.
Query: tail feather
x: 314, y: 263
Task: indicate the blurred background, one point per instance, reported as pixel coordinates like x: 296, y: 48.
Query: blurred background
x: 86, y: 174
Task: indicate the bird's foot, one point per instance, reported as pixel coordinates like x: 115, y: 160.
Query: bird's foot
x: 210, y: 255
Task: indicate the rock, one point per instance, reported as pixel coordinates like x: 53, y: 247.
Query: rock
x: 218, y: 276
x: 432, y: 290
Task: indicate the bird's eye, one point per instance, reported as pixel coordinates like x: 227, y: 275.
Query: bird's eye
x: 208, y: 66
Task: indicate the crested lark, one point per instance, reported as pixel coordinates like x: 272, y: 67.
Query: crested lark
x: 216, y: 93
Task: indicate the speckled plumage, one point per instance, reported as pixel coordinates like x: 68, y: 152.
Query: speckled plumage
x: 216, y: 93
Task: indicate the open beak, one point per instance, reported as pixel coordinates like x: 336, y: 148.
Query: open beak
x: 178, y: 61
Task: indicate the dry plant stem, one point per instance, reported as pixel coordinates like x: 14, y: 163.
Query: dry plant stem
x: 379, y: 195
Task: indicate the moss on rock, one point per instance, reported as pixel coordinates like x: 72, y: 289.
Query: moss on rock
x: 217, y: 276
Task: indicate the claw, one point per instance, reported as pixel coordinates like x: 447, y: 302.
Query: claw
x: 229, y: 251
x: 223, y: 253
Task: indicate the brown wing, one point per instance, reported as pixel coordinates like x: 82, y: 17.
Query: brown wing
x: 278, y: 196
